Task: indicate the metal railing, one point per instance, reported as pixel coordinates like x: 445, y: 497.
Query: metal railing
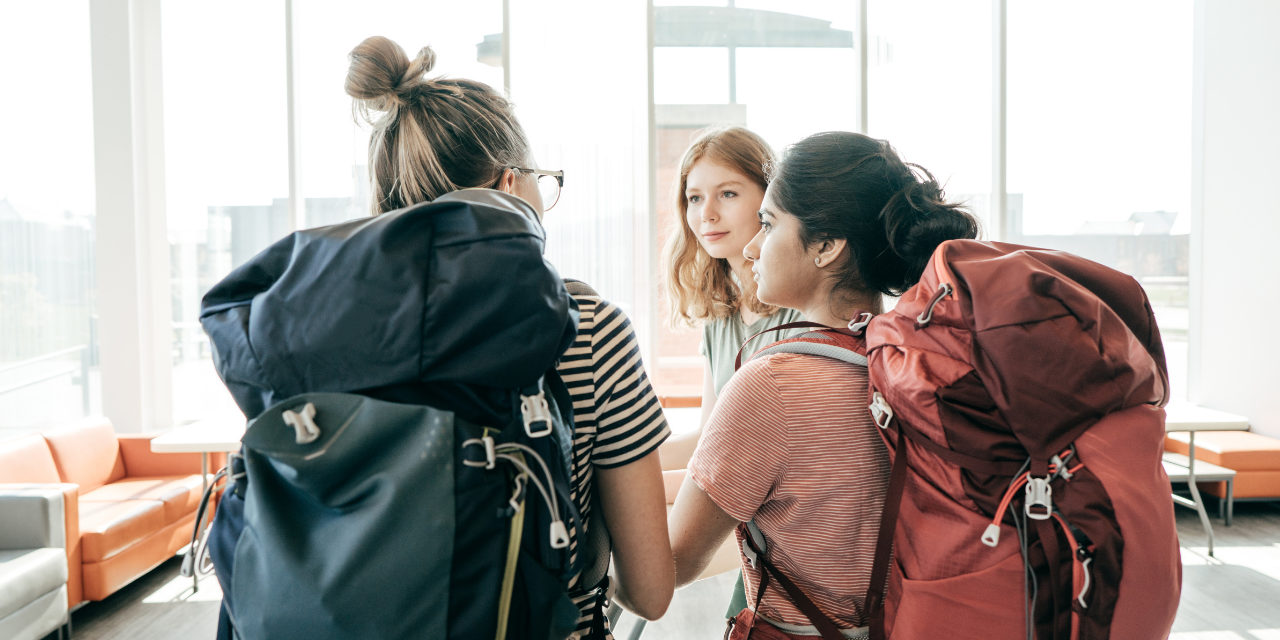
x: 83, y: 367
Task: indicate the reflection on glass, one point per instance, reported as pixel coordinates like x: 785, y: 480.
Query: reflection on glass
x: 48, y: 355
x: 1098, y: 114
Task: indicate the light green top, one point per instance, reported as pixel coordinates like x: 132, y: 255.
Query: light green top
x: 722, y: 338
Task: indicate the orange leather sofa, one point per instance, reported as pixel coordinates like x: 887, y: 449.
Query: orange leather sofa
x: 127, y: 509
x: 1255, y: 458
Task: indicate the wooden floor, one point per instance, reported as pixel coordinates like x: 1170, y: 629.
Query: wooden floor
x: 158, y: 606
x: 1233, y: 596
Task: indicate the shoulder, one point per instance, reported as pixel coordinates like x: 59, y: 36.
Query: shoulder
x: 789, y: 374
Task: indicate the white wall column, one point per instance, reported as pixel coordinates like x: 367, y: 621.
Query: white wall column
x: 998, y: 216
x: 1235, y: 217
x: 133, y: 272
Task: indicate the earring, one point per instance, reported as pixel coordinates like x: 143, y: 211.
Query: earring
x: 817, y: 262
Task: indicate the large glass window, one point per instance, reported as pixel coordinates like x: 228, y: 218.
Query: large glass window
x: 1099, y: 106
x: 783, y: 69
x: 226, y: 166
x: 334, y: 147
x: 579, y: 71
x: 48, y: 368
x: 929, y: 89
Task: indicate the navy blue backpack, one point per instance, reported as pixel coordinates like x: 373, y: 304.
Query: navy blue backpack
x: 405, y: 473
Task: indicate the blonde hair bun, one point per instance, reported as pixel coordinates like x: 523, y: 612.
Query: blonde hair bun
x: 381, y: 74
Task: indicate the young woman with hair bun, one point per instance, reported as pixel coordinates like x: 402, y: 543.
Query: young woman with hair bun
x: 790, y: 444
x: 446, y: 138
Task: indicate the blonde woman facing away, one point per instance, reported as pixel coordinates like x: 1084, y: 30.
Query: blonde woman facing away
x: 444, y: 138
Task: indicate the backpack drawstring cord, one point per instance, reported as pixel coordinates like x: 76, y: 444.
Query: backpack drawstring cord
x: 926, y: 316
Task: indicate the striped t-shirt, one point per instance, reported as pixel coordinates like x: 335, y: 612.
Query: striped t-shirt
x: 616, y: 416
x: 792, y: 446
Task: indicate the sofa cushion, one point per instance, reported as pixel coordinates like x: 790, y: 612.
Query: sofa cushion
x: 180, y: 494
x: 27, y: 574
x: 86, y: 453
x: 1239, y: 450
x: 107, y: 528
x: 1248, y: 484
x: 27, y: 459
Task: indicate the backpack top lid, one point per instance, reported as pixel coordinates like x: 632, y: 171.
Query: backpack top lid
x: 1032, y: 343
x: 451, y: 291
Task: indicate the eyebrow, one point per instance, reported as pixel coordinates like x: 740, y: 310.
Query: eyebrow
x: 764, y: 212
x: 729, y: 183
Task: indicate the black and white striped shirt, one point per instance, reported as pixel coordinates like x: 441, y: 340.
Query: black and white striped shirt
x: 617, y: 418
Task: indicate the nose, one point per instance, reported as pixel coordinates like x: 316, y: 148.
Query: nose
x: 710, y: 212
x: 752, y: 251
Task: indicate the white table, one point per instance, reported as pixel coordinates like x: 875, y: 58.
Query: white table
x: 1182, y: 416
x: 203, y: 437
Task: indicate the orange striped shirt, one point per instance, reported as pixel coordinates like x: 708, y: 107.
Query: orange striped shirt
x: 791, y: 444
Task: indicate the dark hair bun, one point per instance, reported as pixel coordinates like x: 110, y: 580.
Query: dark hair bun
x: 892, y: 214
x: 917, y: 219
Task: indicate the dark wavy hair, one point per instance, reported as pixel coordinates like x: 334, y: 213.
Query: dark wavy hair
x: 892, y: 214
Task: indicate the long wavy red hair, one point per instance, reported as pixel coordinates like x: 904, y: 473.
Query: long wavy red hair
x: 697, y: 286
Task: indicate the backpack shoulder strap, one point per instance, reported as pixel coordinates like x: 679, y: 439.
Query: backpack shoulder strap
x: 579, y: 288
x: 815, y: 344
x: 830, y: 342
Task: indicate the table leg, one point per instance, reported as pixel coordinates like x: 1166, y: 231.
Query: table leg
x: 1231, y: 499
x: 1195, y: 491
x: 204, y: 487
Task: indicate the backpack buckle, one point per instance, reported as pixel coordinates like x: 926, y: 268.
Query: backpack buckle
x: 748, y: 553
x: 881, y: 412
x: 1039, y: 494
x: 859, y: 324
x: 534, y: 409
x: 559, y: 535
x: 303, y: 422
x: 490, y: 454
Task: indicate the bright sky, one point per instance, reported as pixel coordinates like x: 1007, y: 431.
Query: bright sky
x: 1099, y: 96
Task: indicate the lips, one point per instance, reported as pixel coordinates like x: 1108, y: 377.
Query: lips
x: 712, y: 237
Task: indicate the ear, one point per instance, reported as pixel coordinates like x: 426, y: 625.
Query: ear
x: 507, y: 182
x: 829, y: 251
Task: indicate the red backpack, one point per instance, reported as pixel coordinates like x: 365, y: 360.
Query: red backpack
x: 1027, y: 498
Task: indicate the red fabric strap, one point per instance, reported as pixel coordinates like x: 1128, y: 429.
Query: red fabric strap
x: 821, y: 622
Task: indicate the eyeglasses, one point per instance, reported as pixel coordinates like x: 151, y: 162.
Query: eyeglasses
x: 549, y: 184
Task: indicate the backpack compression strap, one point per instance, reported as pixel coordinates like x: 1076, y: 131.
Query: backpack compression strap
x: 826, y: 627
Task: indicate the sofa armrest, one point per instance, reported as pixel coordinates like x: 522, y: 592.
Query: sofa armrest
x: 140, y: 460
x: 32, y: 516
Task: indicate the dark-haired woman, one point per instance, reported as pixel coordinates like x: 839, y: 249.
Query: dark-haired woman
x: 791, y: 444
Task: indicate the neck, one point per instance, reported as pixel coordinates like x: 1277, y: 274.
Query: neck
x: 838, y: 310
x: 739, y: 265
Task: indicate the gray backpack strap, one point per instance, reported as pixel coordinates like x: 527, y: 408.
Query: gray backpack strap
x: 579, y: 288
x: 814, y: 349
x: 597, y: 546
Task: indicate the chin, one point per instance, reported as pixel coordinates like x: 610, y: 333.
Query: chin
x: 762, y: 294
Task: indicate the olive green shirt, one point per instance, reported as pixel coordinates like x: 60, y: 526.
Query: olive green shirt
x: 722, y: 338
